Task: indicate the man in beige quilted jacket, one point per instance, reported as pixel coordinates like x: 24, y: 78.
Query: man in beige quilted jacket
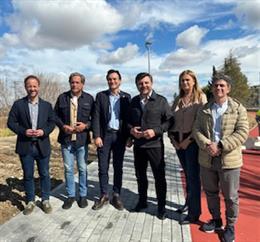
x: 221, y: 127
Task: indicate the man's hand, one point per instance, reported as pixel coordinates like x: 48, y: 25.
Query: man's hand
x: 38, y: 133
x: 213, y: 149
x: 129, y: 143
x: 29, y: 133
x: 136, y: 132
x: 67, y: 129
x: 80, y: 127
x: 34, y: 133
x: 184, y: 144
x: 149, y: 133
x: 98, y: 142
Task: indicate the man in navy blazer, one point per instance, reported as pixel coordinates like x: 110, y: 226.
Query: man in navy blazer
x: 110, y: 133
x: 32, y: 119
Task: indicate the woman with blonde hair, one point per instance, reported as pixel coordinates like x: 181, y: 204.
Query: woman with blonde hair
x: 184, y: 109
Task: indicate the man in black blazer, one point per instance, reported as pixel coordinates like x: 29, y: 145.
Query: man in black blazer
x: 110, y: 134
x: 149, y: 117
x: 32, y: 119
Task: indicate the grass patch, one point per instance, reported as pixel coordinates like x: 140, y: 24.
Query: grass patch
x: 6, y: 132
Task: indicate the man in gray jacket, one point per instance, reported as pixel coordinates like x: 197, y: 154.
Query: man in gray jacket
x: 221, y: 127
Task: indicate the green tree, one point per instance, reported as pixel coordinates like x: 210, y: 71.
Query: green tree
x: 240, y: 89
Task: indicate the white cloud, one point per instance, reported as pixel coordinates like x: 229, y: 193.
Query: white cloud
x: 62, y: 24
x: 184, y: 58
x: 119, y: 56
x: 2, y: 51
x: 10, y: 39
x: 191, y: 37
x: 152, y: 13
x: 249, y: 13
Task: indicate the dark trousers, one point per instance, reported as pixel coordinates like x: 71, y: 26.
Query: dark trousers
x: 112, y: 142
x: 28, y: 172
x: 189, y: 161
x: 156, y: 158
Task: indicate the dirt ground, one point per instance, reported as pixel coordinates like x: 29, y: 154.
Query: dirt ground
x: 12, y: 197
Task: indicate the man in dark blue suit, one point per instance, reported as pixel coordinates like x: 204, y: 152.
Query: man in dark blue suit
x: 110, y: 134
x: 32, y: 119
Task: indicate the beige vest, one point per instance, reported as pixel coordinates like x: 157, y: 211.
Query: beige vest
x: 73, y: 114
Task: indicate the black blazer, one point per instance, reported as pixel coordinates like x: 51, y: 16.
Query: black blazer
x: 101, y: 115
x: 19, y: 121
x: 156, y: 115
x: 62, y: 116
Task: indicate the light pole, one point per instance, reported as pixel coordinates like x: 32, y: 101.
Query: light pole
x: 148, y: 46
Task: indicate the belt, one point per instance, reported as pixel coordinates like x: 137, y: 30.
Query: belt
x: 112, y: 130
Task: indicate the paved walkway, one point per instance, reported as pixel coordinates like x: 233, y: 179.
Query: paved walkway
x: 107, y: 224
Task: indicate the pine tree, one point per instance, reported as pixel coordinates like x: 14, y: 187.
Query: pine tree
x: 239, y: 89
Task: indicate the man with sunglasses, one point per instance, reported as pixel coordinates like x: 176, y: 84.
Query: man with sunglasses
x: 221, y: 127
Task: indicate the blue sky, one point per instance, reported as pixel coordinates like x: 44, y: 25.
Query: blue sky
x: 92, y: 36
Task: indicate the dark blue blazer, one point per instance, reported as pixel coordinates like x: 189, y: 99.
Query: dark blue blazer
x: 19, y: 121
x: 101, y: 115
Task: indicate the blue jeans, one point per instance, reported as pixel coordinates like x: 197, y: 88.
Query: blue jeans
x: 69, y: 153
x: 28, y: 172
x: 189, y: 161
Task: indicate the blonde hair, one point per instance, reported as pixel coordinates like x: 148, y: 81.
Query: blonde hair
x: 196, y: 92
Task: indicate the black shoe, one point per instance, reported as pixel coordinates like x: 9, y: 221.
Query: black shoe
x: 83, y: 202
x: 116, y: 202
x: 229, y: 234
x: 101, y: 202
x: 68, y: 203
x: 189, y: 220
x: 212, y: 226
x: 140, y: 206
x: 182, y: 209
x: 161, y: 214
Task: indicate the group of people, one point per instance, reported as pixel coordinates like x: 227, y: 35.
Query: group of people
x: 207, y: 137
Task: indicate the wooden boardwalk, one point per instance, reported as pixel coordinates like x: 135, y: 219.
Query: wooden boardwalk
x: 107, y: 224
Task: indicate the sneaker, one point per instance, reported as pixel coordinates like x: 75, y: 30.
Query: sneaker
x: 116, y: 202
x: 46, y: 206
x: 83, y: 202
x: 68, y: 203
x: 212, y: 226
x: 229, y: 234
x: 29, y: 208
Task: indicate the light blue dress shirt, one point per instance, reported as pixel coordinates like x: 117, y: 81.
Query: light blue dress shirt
x: 217, y: 113
x: 114, y: 111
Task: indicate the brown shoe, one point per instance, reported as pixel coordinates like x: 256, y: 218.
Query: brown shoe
x: 116, y: 202
x: 101, y: 202
x: 29, y: 208
x: 46, y: 206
